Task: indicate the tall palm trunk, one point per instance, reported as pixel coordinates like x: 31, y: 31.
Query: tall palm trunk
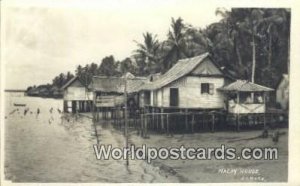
x: 288, y: 57
x: 253, y: 59
x: 270, y: 51
x: 238, y: 53
x: 270, y: 46
x: 239, y: 58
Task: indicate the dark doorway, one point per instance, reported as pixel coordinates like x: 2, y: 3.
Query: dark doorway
x: 147, y: 97
x: 174, y: 97
x: 74, y: 106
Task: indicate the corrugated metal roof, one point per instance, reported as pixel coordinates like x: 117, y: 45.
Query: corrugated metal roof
x: 180, y: 69
x: 116, y: 84
x: 245, y: 86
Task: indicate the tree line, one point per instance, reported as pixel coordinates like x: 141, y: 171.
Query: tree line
x: 250, y: 43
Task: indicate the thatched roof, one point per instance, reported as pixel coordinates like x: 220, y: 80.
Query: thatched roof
x: 180, y: 69
x: 116, y: 84
x: 245, y: 86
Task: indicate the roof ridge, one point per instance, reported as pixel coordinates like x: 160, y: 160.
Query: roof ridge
x: 69, y: 82
x: 180, y: 69
x: 116, y: 77
x: 195, y: 57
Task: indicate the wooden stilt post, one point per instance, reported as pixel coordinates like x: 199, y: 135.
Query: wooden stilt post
x: 265, y: 120
x: 146, y: 126
x: 186, y: 120
x: 157, y: 119
x: 203, y: 115
x: 168, y: 129
x: 64, y: 108
x: 106, y: 113
x: 152, y: 119
x: 120, y: 117
x: 114, y: 116
x: 238, y: 115
x: 111, y: 113
x: 213, y: 122
x: 93, y: 113
x: 265, y: 111
x: 103, y: 113
x: 140, y: 124
x: 162, y: 119
x: 193, y: 123
x: 97, y: 114
x: 238, y: 122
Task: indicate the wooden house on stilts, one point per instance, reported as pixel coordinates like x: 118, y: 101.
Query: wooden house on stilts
x: 77, y: 97
x: 189, y: 89
x: 191, y: 83
x: 109, y: 95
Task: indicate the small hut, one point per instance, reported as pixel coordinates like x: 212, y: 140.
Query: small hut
x: 282, y: 92
x: 244, y: 97
x: 77, y: 97
x: 245, y: 103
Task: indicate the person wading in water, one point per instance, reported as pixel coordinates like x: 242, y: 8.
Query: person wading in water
x: 38, y: 112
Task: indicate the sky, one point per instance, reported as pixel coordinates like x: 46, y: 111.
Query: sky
x: 41, y: 39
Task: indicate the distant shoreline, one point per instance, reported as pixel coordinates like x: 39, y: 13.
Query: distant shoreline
x: 29, y: 95
x: 14, y: 90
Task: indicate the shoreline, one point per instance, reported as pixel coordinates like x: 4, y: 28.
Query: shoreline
x: 211, y: 170
x: 159, y: 172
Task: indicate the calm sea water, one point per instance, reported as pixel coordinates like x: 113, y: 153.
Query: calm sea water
x: 52, y: 147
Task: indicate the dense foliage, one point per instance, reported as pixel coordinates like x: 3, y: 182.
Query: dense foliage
x: 251, y: 43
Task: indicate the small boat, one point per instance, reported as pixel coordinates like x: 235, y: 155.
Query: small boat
x: 19, y: 105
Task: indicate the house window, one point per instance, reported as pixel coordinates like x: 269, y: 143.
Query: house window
x: 207, y: 88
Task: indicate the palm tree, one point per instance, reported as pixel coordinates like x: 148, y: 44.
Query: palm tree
x: 108, y: 66
x: 274, y: 32
x: 231, y: 32
x: 277, y: 24
x: 251, y: 22
x: 147, y: 53
x: 79, y: 70
x: 197, y: 42
x: 69, y: 75
x: 176, y: 45
x: 61, y: 79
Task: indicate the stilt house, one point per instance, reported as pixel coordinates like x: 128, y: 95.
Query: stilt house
x: 191, y: 83
x: 77, y: 97
x: 109, y: 92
